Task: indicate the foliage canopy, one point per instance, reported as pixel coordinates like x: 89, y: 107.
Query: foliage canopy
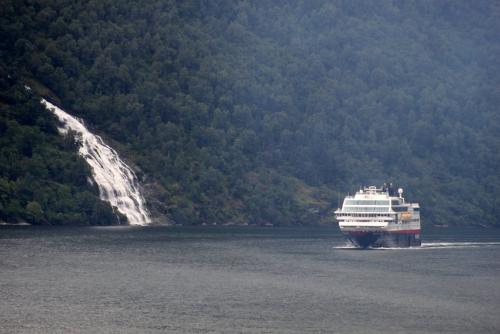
x: 255, y: 112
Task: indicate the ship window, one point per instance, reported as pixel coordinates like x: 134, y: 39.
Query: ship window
x: 366, y: 202
x: 395, y: 202
x: 365, y: 209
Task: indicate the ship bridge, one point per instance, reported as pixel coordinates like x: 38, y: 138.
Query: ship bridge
x: 372, y: 204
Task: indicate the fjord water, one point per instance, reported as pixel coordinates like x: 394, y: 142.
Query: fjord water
x: 116, y: 181
x: 244, y: 280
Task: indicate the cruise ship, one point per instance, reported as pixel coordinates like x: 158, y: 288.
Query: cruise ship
x: 379, y: 217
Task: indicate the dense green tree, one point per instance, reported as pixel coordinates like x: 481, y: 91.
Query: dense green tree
x: 239, y: 111
x: 42, y: 180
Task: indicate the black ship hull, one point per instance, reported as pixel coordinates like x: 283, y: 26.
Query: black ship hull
x: 386, y: 239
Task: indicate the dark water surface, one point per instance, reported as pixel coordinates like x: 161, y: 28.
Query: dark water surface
x: 244, y: 280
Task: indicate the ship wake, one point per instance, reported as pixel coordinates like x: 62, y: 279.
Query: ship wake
x: 459, y: 244
x: 426, y: 245
x: 346, y: 245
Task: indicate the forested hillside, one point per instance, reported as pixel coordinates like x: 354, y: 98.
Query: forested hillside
x: 42, y: 180
x: 268, y: 111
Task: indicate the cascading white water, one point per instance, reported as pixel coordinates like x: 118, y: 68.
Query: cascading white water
x: 117, y: 182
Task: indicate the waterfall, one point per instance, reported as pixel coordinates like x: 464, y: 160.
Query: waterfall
x: 117, y: 182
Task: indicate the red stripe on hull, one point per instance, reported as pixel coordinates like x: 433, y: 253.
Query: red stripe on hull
x: 360, y: 233
x: 404, y: 231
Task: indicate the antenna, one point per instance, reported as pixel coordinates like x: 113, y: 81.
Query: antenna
x: 400, y: 192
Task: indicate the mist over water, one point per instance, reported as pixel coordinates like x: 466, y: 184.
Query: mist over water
x: 133, y: 279
x: 117, y: 182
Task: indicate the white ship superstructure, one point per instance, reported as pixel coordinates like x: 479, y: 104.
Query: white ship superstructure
x: 379, y: 217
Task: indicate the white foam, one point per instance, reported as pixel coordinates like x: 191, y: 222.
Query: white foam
x: 116, y: 181
x: 347, y: 245
x: 427, y: 245
x: 458, y: 244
